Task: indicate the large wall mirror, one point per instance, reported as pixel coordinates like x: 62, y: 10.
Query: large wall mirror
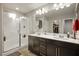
x: 40, y: 24
x: 68, y: 26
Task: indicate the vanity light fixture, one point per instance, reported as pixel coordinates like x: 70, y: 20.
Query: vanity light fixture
x: 68, y: 5
x: 46, y: 10
x: 61, y: 5
x: 37, y: 12
x: 56, y: 6
x: 41, y: 11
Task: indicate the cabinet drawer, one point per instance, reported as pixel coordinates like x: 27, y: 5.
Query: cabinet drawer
x: 43, y: 40
x: 42, y: 54
x: 43, y: 51
x: 44, y: 47
x: 43, y: 44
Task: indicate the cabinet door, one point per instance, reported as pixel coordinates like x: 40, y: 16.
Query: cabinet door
x: 30, y: 44
x: 51, y: 49
x: 36, y: 45
x: 64, y: 51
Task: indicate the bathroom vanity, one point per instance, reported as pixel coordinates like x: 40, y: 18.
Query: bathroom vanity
x: 49, y: 45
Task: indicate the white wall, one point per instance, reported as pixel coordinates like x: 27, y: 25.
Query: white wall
x: 78, y: 11
x: 24, y: 31
x: 1, y: 30
x: 33, y: 23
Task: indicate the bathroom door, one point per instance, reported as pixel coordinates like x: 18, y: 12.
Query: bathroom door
x: 11, y: 32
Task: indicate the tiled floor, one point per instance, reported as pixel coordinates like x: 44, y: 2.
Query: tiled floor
x: 26, y: 52
x: 23, y: 52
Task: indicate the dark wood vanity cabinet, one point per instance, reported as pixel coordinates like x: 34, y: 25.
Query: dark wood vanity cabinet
x: 30, y: 43
x: 68, y: 49
x: 58, y: 48
x: 51, y: 48
x: 48, y: 47
x: 64, y: 51
x: 36, y: 44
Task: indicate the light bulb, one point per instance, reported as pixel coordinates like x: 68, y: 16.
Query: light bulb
x: 57, y: 8
x: 40, y: 12
x: 43, y: 10
x: 46, y: 11
x: 68, y: 5
x: 55, y: 5
x: 60, y: 4
x: 62, y: 7
x: 37, y: 12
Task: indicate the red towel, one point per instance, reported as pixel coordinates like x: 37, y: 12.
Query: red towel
x: 76, y: 25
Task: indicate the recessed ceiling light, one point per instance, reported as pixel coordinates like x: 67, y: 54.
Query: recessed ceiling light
x: 17, y: 8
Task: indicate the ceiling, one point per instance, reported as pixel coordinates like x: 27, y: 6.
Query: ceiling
x: 65, y: 10
x: 27, y: 7
x: 23, y: 7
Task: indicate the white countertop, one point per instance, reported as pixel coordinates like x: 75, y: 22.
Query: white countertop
x: 52, y: 37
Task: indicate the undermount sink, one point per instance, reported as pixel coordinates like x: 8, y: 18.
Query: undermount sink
x: 60, y: 36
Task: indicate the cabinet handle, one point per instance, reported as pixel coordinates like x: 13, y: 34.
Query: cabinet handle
x: 56, y: 52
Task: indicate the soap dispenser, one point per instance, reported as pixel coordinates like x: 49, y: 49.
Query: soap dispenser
x: 68, y: 35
